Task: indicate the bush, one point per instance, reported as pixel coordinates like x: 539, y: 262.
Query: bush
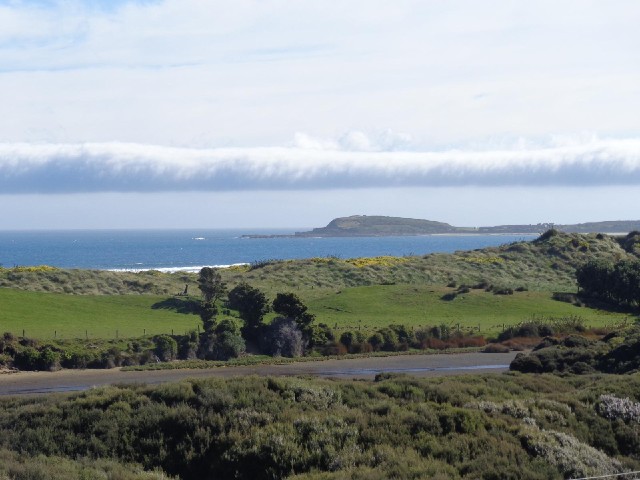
x: 503, y: 291
x: 27, y: 359
x: 376, y: 341
x: 335, y: 349
x: 320, y: 335
x: 390, y: 340
x: 526, y: 364
x: 283, y: 338
x: 496, y: 348
x: 166, y: 348
x: 405, y: 335
x: 5, y: 360
x: 573, y: 341
x: 49, y: 359
x: 223, y: 344
x: 533, y: 328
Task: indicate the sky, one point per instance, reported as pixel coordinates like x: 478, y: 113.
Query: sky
x: 274, y: 113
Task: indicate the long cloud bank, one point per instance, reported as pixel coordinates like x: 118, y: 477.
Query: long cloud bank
x: 120, y: 167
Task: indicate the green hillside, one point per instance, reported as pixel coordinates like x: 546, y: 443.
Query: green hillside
x: 363, y: 225
x: 348, y: 293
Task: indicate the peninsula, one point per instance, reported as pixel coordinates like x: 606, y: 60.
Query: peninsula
x: 382, y: 226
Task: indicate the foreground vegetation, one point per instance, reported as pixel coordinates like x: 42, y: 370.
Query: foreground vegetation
x: 510, y: 426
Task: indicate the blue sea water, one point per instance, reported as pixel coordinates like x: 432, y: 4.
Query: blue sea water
x: 172, y: 250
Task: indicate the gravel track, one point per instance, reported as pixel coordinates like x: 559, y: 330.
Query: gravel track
x: 29, y: 383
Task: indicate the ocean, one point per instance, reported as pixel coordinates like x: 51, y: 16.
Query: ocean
x: 173, y: 250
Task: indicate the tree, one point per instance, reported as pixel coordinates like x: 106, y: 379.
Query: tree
x: 213, y: 288
x: 252, y: 305
x: 166, y: 348
x: 619, y: 282
x: 222, y: 342
x: 595, y: 278
x: 284, y: 338
x: 290, y: 306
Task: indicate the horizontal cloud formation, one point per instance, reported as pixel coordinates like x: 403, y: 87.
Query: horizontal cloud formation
x: 121, y: 167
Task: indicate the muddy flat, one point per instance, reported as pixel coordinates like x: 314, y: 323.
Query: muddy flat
x: 25, y: 383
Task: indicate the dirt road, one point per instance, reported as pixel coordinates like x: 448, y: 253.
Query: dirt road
x: 25, y: 383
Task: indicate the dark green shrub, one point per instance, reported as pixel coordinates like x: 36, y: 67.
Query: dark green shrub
x: 581, y: 368
x: 27, y: 359
x: 166, y: 348
x: 526, y: 364
x: 49, y: 359
x: 573, y: 341
x: 390, y: 340
x: 376, y: 341
x: 320, y: 335
x: 552, y: 232
x: 503, y: 291
x: 496, y: 348
x: 348, y: 339
x: 405, y: 335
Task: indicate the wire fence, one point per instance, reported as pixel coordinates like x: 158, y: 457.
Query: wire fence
x: 626, y: 476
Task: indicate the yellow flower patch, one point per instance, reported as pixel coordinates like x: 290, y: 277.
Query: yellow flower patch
x: 385, y: 261
x: 36, y: 268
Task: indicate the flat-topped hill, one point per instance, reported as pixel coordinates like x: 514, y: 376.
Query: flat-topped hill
x: 373, y: 226
x: 378, y: 226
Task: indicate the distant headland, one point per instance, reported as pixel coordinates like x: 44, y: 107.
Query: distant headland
x: 381, y: 226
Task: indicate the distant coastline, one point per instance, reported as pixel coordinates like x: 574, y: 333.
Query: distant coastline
x: 382, y: 226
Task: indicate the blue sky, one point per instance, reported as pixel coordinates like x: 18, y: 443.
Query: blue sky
x: 191, y: 113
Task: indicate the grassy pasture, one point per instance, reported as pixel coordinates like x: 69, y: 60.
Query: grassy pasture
x: 369, y: 308
x: 381, y: 305
x: 41, y: 314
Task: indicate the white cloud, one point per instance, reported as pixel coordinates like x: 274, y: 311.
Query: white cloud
x: 102, y: 167
x: 356, y: 141
x: 253, y: 72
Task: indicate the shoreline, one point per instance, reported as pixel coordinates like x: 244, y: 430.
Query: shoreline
x: 461, y: 234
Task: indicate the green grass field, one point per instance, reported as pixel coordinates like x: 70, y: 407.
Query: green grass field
x: 44, y: 315
x: 377, y: 306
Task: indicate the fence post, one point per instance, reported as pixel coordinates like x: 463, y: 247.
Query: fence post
x: 86, y: 335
